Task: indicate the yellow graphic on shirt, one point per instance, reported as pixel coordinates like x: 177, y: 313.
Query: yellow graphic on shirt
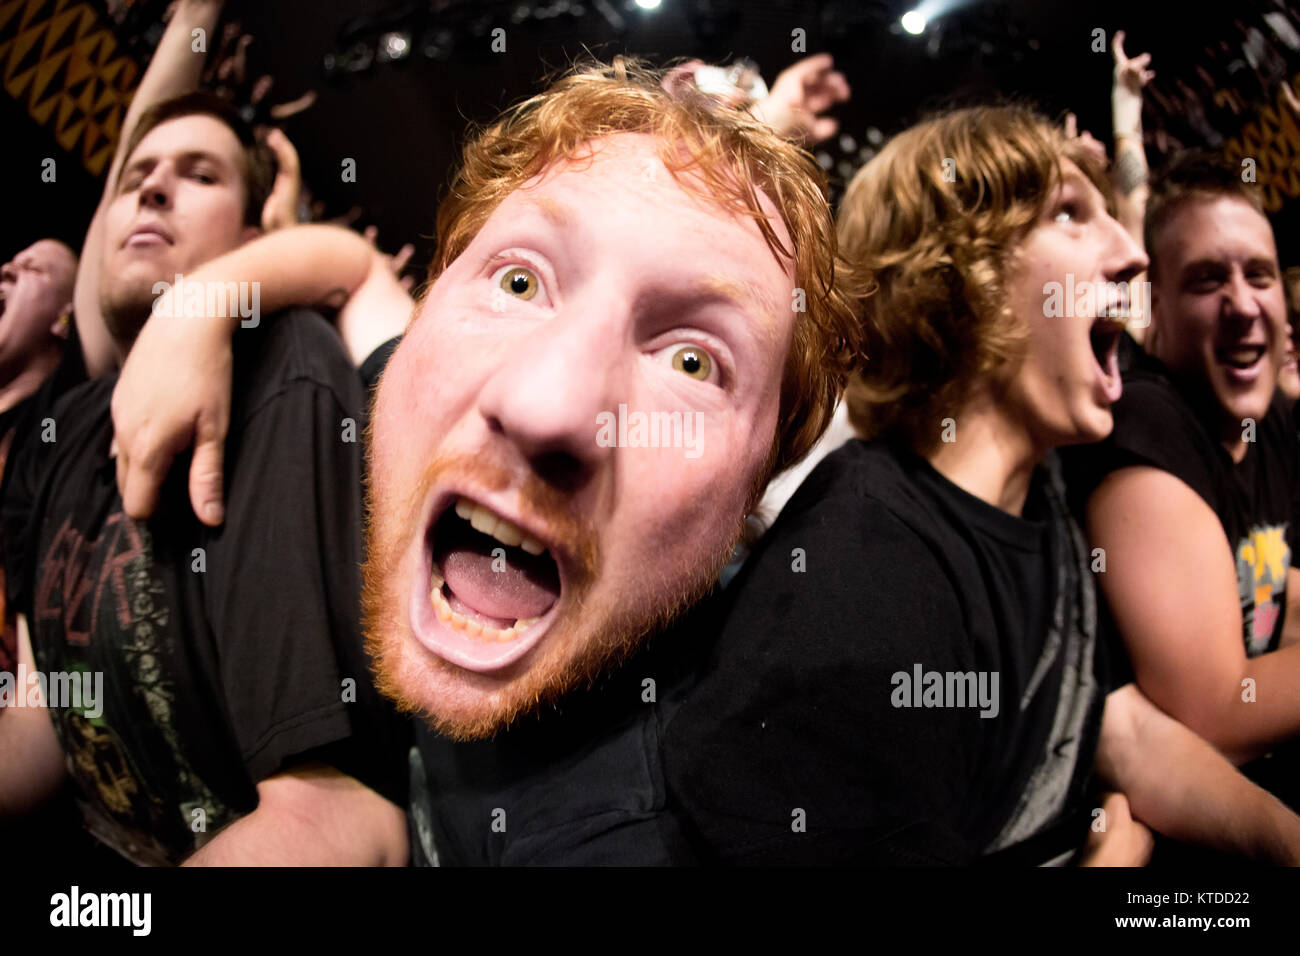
x: 1263, y: 558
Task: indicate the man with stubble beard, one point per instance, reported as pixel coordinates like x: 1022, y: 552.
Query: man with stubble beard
x: 1193, y: 498
x: 609, y: 253
x: 237, y: 724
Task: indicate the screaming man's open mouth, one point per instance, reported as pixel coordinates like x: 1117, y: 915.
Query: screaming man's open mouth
x: 1104, y: 338
x: 486, y: 589
x: 488, y: 577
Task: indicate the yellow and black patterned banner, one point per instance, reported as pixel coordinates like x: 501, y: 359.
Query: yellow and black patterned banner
x: 61, y: 62
x: 1272, y: 141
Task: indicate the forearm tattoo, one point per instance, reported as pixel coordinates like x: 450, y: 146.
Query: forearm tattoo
x: 1130, y: 170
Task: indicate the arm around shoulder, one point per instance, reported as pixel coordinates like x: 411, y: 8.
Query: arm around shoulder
x: 1182, y: 787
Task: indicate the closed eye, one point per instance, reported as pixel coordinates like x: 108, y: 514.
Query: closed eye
x: 1205, y: 277
x: 1261, y: 277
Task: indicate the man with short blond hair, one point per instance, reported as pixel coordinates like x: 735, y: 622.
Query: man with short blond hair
x: 1193, y: 498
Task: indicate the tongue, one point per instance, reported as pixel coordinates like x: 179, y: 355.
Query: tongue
x: 518, y: 586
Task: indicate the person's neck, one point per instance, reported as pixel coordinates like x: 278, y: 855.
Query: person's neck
x: 992, y: 457
x: 124, y: 326
x: 1235, y: 446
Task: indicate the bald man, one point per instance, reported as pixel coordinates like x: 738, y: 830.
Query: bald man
x: 35, y: 304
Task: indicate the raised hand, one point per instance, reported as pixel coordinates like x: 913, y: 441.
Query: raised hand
x: 1131, y: 75
x: 397, y: 263
x: 1132, y: 72
x: 281, y: 207
x: 1085, y: 139
x: 800, y: 94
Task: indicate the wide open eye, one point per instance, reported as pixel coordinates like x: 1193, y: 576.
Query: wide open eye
x: 520, y: 282
x: 694, y: 361
x: 1066, y: 212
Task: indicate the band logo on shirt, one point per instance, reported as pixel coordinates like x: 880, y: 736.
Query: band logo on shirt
x: 1263, y: 559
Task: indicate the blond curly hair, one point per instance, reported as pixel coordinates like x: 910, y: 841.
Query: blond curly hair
x: 935, y: 217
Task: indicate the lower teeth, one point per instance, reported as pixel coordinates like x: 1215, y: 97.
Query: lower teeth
x: 460, y: 622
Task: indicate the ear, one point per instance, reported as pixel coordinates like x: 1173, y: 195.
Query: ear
x: 63, y: 324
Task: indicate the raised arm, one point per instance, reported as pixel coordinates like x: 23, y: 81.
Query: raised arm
x: 1172, y: 588
x: 1180, y: 786
x: 1130, y: 171
x: 175, y: 69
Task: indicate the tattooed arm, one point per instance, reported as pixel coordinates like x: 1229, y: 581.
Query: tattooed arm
x: 1130, y: 170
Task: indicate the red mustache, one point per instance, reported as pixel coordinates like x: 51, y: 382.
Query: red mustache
x: 542, y: 506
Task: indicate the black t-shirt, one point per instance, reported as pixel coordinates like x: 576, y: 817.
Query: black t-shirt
x: 226, y: 654
x: 580, y: 784
x: 14, y: 422
x: 810, y: 738
x: 1156, y: 425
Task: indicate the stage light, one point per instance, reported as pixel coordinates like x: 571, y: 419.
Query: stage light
x: 394, y: 46
x: 914, y: 22
x: 648, y: 4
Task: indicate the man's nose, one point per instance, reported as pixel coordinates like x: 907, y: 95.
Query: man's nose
x: 1127, y: 259
x: 156, y: 190
x: 547, y: 397
x: 1240, y: 302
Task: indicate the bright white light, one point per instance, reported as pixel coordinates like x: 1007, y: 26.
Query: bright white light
x: 648, y: 4
x: 914, y: 22
x: 396, y: 45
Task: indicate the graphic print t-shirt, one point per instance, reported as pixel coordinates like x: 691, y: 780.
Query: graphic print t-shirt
x: 1255, y: 499
x: 225, y: 653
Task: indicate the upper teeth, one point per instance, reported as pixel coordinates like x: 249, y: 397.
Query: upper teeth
x: 488, y: 522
